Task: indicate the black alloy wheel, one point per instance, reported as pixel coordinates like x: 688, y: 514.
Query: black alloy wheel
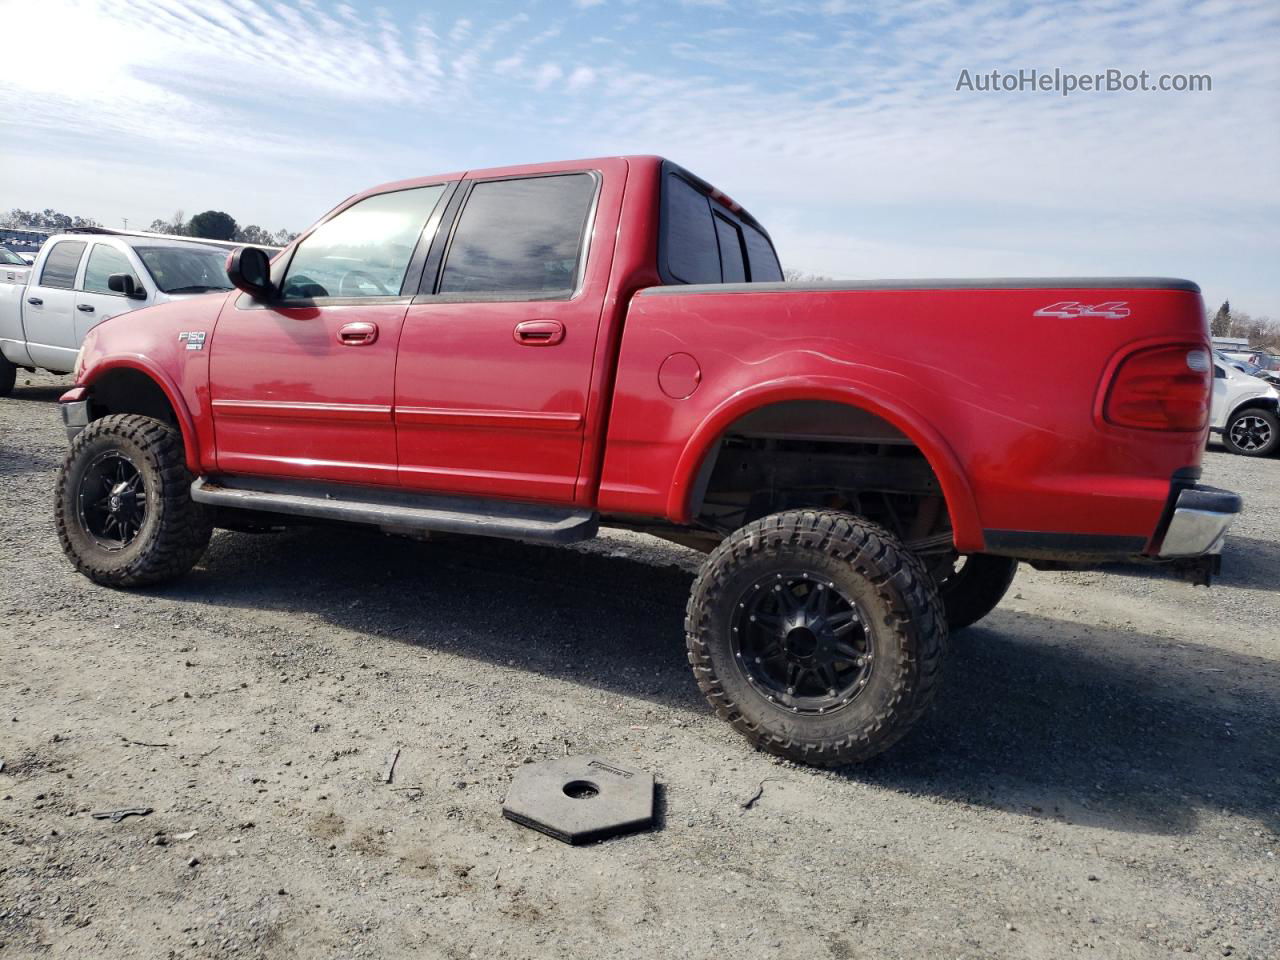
x: 801, y: 642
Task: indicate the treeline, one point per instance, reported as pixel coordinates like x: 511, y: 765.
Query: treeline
x: 216, y: 225
x: 1263, y: 332
x: 210, y: 225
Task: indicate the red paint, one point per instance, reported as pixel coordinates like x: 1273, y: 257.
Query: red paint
x: 1007, y: 406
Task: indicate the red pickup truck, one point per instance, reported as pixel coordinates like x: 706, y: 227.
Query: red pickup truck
x: 530, y: 352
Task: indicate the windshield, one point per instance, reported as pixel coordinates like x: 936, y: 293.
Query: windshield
x: 8, y: 256
x: 186, y: 269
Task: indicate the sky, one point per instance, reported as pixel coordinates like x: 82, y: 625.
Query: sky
x: 838, y: 123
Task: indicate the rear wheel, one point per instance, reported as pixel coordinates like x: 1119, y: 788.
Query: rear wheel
x: 973, y: 586
x: 8, y: 375
x: 817, y: 635
x: 1253, y: 432
x: 124, y: 511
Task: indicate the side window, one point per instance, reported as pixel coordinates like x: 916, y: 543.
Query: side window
x: 365, y: 250
x: 760, y: 255
x: 689, y: 234
x: 60, y: 266
x: 521, y: 238
x: 103, y: 262
x: 731, y: 263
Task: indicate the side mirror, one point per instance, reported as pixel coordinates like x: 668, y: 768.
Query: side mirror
x: 124, y: 283
x: 249, y: 269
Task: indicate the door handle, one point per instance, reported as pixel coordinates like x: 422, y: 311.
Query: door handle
x: 360, y: 333
x: 34, y: 301
x: 539, y: 333
x: 85, y: 307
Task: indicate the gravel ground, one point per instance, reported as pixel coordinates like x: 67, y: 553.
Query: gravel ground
x: 1101, y: 772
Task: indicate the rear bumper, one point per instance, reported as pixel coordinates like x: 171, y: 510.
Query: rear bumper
x: 1199, y: 522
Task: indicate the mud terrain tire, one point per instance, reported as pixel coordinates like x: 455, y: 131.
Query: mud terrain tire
x: 171, y: 532
x: 777, y: 700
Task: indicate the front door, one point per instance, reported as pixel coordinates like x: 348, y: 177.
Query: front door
x: 95, y: 301
x: 49, y: 308
x: 495, y: 361
x: 303, y: 386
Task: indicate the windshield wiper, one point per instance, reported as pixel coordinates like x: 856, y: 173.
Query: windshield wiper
x: 195, y: 288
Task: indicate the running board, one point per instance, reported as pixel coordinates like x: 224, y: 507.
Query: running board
x: 398, y: 510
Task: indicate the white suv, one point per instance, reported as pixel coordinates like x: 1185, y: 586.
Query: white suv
x: 1244, y: 411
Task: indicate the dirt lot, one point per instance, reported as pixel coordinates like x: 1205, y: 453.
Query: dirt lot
x: 1101, y: 773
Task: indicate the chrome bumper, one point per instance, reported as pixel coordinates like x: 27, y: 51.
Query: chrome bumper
x: 75, y: 417
x: 1201, y: 516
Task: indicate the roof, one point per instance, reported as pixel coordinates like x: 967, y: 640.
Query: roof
x: 173, y: 239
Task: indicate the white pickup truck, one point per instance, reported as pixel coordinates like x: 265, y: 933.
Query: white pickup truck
x: 81, y: 278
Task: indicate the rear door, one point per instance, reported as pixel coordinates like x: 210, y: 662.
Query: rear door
x: 302, y: 386
x: 49, y: 307
x: 95, y: 301
x: 496, y: 355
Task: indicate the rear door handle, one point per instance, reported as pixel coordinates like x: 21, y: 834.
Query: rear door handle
x: 539, y: 333
x: 87, y: 308
x: 360, y: 333
x: 34, y: 301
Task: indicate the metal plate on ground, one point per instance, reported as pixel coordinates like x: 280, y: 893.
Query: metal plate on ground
x: 580, y: 799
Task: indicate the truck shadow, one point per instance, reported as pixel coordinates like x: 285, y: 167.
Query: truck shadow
x: 1040, y: 716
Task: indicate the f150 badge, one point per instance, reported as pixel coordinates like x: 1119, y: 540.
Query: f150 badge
x: 1114, y: 309
x: 194, y: 339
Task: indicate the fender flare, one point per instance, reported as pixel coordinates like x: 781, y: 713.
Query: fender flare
x: 140, y: 364
x: 956, y: 491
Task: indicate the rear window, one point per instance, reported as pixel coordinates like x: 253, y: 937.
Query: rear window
x: 764, y: 262
x: 60, y: 266
x: 703, y: 242
x: 732, y: 265
x: 690, y: 235
x: 520, y: 239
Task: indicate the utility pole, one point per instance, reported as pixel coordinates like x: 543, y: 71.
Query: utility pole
x: 126, y: 222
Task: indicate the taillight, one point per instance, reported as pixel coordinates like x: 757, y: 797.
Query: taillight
x: 1161, y: 388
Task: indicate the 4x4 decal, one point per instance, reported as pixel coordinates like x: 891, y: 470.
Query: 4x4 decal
x: 1115, y: 309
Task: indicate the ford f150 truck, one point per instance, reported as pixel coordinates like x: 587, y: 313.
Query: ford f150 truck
x: 82, y: 278
x: 531, y: 352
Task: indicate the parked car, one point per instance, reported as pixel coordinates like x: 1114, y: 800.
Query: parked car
x: 81, y: 279
x: 1244, y: 411
x: 1244, y: 366
x: 534, y: 351
x: 13, y: 270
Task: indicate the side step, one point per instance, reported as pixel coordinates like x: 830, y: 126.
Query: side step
x: 395, y: 509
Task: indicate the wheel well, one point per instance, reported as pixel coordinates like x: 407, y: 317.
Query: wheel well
x: 1257, y: 403
x: 130, y: 391
x: 828, y: 455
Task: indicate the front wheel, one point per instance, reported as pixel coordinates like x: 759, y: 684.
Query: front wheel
x: 817, y: 635
x: 124, y: 511
x: 1253, y: 432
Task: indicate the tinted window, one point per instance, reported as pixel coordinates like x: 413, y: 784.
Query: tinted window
x: 764, y: 262
x: 8, y: 256
x: 731, y: 262
x: 186, y: 269
x: 520, y: 237
x: 60, y: 266
x: 689, y: 233
x: 103, y: 262
x: 365, y: 250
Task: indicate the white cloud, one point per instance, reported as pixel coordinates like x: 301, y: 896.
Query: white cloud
x: 581, y: 78
x: 546, y: 75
